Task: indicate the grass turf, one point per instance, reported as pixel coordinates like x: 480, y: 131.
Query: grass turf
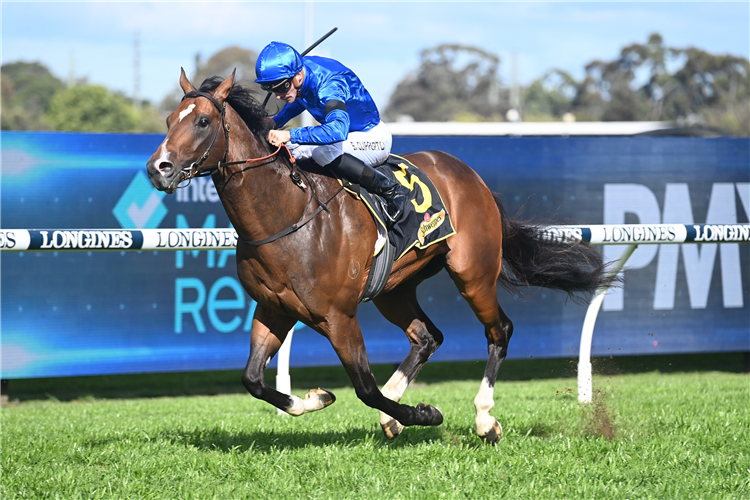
x: 666, y: 427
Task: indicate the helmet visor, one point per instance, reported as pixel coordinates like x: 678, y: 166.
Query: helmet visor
x: 279, y: 86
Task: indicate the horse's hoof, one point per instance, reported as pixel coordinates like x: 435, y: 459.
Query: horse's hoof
x: 494, y: 434
x: 432, y: 414
x: 324, y: 397
x: 391, y: 427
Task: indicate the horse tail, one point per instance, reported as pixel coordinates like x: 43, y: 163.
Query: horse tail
x: 530, y: 260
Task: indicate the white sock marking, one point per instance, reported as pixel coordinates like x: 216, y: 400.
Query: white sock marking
x: 484, y: 402
x: 312, y: 402
x: 393, y: 390
x: 395, y: 387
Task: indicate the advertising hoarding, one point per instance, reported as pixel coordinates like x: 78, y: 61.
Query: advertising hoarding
x: 91, y: 312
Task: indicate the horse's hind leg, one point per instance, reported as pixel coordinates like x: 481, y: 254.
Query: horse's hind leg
x: 401, y: 308
x: 482, y: 296
x: 488, y: 427
x: 269, y: 331
x: 474, y: 264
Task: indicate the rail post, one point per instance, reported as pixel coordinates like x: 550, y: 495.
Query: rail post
x: 585, y: 383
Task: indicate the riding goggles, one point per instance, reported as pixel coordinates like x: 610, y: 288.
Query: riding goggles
x: 279, y: 87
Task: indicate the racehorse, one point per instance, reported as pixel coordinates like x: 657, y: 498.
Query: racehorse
x: 305, y: 249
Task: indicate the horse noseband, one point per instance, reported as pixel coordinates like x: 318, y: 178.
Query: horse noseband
x: 194, y: 169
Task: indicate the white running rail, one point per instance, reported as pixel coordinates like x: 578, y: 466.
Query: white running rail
x: 631, y: 235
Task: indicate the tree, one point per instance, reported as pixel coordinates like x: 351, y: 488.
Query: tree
x: 222, y: 63
x: 702, y: 88
x: 714, y: 87
x: 27, y: 90
x: 34, y: 99
x: 549, y: 97
x: 452, y: 82
x: 91, y: 108
x: 150, y: 120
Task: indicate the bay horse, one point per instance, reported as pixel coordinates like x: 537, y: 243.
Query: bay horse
x: 309, y: 272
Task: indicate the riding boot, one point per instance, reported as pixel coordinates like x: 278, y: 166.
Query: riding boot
x: 355, y: 170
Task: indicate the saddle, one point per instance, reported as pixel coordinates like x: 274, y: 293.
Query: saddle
x: 425, y: 220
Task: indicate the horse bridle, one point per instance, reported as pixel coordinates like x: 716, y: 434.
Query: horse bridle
x: 194, y: 170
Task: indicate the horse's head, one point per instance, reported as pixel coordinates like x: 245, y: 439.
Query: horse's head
x: 193, y: 136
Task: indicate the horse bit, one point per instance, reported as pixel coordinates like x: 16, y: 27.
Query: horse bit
x: 194, y: 170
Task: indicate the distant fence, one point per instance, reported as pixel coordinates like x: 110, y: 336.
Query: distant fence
x: 88, y: 312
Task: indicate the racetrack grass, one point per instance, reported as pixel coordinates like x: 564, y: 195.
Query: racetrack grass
x: 653, y: 434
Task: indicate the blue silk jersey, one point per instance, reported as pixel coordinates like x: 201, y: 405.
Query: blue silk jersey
x: 328, y: 80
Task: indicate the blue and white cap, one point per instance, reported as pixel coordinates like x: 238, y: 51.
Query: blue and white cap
x: 277, y: 61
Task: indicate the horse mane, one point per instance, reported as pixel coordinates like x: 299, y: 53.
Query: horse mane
x: 243, y: 102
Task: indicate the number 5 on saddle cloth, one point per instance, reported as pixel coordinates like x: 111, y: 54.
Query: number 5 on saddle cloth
x: 423, y: 223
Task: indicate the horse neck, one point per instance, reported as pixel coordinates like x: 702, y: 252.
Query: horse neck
x: 259, y: 197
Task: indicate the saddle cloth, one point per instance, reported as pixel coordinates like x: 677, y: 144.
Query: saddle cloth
x: 425, y: 220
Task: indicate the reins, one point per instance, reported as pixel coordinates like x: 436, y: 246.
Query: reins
x: 195, y: 170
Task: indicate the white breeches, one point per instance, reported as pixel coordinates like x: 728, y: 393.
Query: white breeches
x: 372, y: 147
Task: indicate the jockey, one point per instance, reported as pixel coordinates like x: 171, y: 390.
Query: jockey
x: 350, y: 139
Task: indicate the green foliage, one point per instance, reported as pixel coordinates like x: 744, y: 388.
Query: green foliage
x: 451, y: 80
x: 150, y: 121
x: 645, y: 82
x: 229, y: 59
x: 549, y: 97
x: 33, y: 99
x: 91, y: 108
x: 650, y: 435
x: 222, y: 63
x: 27, y: 91
x: 702, y: 88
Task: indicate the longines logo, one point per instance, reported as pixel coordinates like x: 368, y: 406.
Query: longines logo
x: 196, y: 239
x: 86, y: 239
x: 721, y: 232
x: 639, y: 234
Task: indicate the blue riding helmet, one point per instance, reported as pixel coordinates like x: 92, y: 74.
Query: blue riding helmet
x: 277, y: 61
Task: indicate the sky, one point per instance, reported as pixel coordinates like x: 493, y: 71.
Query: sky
x: 380, y: 41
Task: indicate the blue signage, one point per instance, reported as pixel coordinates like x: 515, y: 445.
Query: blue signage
x: 90, y: 312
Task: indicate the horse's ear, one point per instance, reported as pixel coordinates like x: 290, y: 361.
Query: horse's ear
x: 185, y: 83
x: 223, y: 90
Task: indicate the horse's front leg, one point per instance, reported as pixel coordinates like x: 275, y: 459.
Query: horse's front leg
x: 346, y: 338
x: 401, y: 308
x: 269, y: 331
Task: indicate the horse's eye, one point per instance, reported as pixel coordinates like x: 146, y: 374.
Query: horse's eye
x: 203, y: 122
